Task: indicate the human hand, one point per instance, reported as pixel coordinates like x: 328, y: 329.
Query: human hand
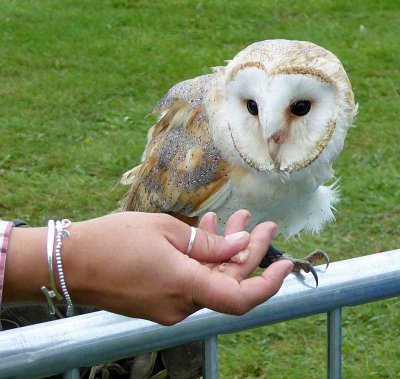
x: 132, y: 263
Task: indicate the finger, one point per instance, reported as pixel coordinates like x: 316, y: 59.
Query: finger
x: 258, y: 289
x: 208, y: 223
x: 225, y: 294
x: 207, y: 247
x: 237, y: 222
x: 211, y: 248
x: 260, y: 239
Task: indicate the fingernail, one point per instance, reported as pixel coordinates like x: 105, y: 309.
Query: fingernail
x: 247, y: 220
x: 236, y: 236
x: 241, y: 257
x: 214, y: 216
x: 275, y: 232
x: 221, y: 267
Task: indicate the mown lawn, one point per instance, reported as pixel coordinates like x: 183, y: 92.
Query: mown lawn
x: 77, y: 79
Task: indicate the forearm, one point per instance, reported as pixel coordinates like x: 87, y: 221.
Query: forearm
x: 99, y: 260
x: 26, y: 266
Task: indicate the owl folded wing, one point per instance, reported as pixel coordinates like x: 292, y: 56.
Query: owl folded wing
x: 182, y: 172
x: 191, y: 91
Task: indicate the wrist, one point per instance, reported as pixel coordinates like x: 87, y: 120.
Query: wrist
x: 27, y: 269
x: 78, y: 253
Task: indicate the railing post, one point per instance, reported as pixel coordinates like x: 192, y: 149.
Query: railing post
x: 210, y: 358
x: 334, y: 370
x: 72, y: 374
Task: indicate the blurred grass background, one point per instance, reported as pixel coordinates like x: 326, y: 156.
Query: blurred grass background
x: 77, y: 79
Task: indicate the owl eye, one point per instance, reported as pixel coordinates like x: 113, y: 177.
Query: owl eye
x: 301, y: 107
x: 252, y: 107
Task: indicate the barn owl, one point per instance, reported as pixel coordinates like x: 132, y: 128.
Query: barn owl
x: 260, y: 133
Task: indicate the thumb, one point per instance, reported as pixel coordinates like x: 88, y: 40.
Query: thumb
x: 211, y: 248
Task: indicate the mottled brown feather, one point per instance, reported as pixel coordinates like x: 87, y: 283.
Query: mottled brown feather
x: 181, y: 170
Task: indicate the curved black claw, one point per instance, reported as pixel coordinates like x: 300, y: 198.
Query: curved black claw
x: 307, y: 263
x: 318, y: 255
x: 314, y: 273
x: 306, y: 266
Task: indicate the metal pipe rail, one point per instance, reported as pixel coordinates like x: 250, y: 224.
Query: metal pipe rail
x: 63, y: 345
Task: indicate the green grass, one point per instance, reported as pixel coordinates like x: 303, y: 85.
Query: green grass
x: 77, y: 79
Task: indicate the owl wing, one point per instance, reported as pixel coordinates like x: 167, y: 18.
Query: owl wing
x: 191, y: 91
x: 182, y: 172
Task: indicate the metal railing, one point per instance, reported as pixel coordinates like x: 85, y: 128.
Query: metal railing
x: 62, y: 346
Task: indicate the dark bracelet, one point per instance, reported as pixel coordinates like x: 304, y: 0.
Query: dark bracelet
x: 17, y: 222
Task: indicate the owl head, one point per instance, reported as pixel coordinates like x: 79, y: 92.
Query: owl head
x: 280, y: 105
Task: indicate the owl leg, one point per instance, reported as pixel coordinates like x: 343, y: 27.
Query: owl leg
x: 306, y: 264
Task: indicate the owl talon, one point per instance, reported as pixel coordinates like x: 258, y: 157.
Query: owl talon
x: 306, y: 266
x: 318, y: 255
x: 273, y: 255
x: 314, y: 273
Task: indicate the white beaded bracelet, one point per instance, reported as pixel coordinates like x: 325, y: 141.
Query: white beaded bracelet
x: 60, y: 225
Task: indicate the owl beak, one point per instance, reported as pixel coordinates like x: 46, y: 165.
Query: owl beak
x: 275, y: 143
x: 273, y: 148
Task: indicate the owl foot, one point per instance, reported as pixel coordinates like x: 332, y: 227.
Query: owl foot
x: 306, y: 264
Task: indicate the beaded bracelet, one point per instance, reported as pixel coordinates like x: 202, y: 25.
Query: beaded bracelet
x: 60, y: 225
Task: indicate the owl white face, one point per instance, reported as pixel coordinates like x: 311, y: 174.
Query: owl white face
x: 281, y: 117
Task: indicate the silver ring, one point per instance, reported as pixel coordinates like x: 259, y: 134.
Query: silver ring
x: 191, y: 240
